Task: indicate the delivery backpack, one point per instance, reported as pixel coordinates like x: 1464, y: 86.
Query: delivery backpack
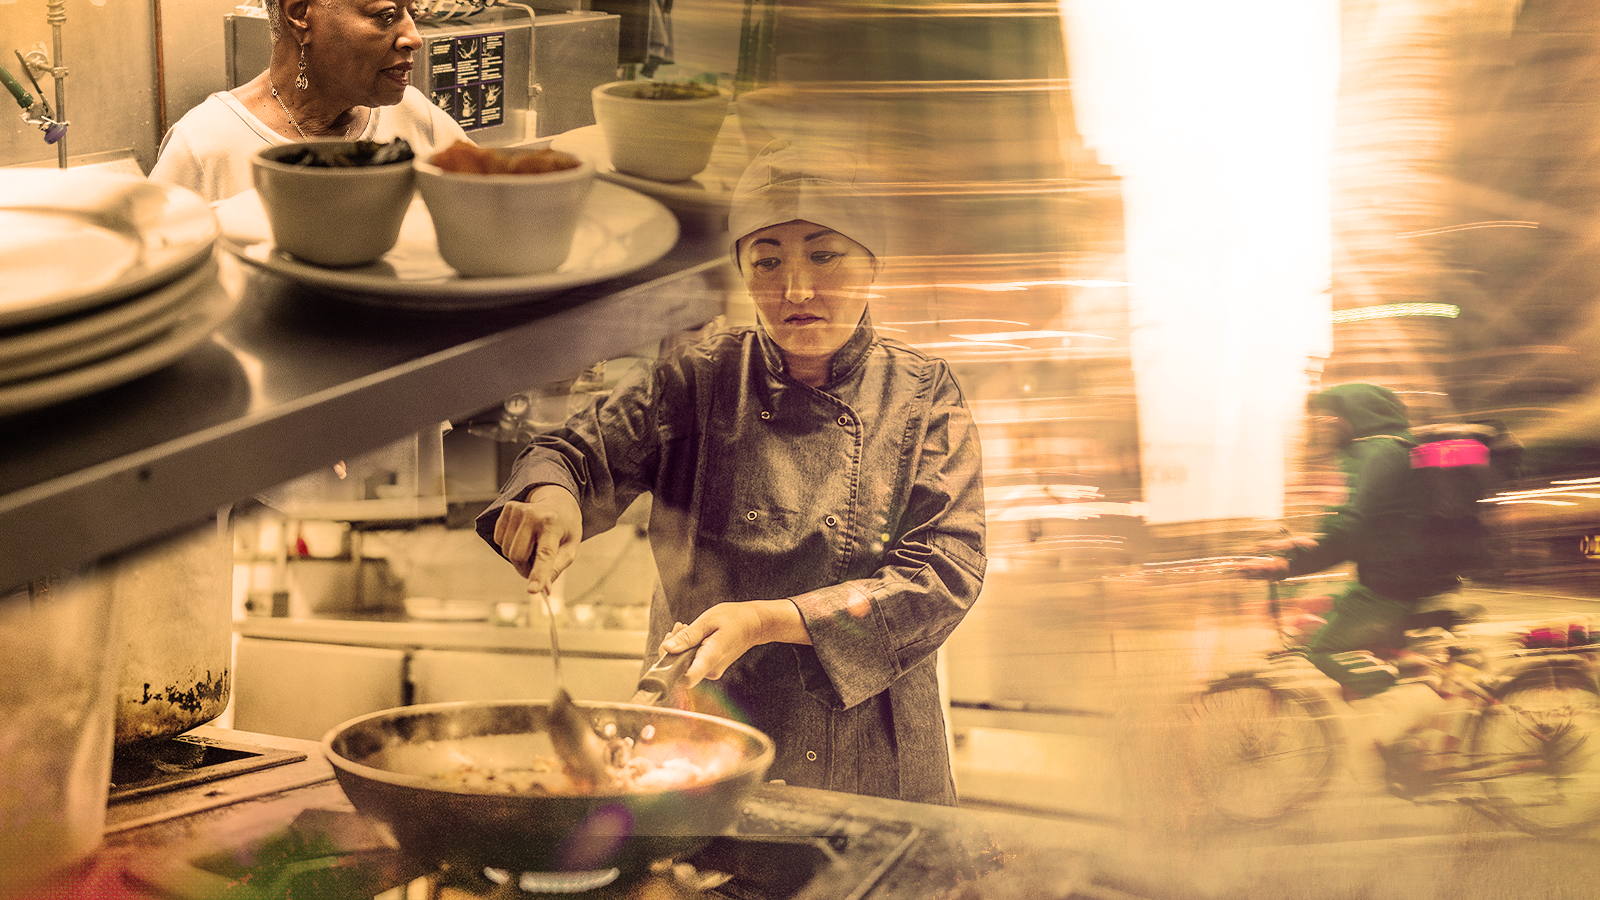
x: 1455, y: 467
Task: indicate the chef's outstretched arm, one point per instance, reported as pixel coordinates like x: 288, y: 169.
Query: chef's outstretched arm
x: 540, y: 534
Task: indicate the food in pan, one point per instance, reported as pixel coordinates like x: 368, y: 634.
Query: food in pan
x: 474, y: 160
x: 545, y: 775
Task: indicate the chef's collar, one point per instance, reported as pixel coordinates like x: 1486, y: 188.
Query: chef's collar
x: 844, y: 360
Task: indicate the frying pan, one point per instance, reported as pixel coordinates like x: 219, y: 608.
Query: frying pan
x: 388, y: 764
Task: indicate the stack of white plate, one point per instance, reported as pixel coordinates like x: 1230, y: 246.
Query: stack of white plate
x: 104, y: 277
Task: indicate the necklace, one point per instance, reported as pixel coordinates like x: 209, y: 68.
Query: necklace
x: 303, y: 135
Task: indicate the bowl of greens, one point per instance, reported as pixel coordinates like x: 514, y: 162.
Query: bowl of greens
x: 335, y: 203
x: 663, y: 131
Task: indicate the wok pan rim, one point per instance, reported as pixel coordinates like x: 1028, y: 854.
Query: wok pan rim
x: 757, y: 763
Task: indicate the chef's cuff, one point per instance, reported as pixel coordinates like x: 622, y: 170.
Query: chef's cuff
x: 852, y: 660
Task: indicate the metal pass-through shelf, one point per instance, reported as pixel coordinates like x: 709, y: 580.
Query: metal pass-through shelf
x: 295, y: 380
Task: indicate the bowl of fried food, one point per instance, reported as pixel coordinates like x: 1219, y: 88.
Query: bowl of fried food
x: 662, y: 131
x: 500, y: 212
x: 335, y: 203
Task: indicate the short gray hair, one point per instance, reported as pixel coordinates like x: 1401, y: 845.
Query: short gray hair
x: 275, y: 22
x: 274, y: 19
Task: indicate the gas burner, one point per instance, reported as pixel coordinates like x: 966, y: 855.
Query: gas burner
x: 155, y: 767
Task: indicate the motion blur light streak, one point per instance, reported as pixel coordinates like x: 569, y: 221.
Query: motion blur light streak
x: 1003, y: 286
x: 1539, y: 502
x: 1028, y: 335
x: 1470, y: 225
x: 968, y: 345
x: 942, y: 322
x: 1070, y: 511
x: 1394, y: 311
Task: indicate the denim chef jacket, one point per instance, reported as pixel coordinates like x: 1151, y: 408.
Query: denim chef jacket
x: 861, y: 501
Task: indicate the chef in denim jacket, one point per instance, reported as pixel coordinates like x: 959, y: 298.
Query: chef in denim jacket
x: 817, y: 515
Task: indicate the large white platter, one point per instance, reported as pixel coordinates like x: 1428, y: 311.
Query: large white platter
x: 193, y: 329
x: 621, y: 231
x: 72, y: 239
x: 708, y: 193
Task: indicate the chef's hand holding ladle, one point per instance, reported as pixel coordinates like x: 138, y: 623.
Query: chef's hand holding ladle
x: 540, y: 534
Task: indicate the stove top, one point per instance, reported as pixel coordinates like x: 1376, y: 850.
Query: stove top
x: 155, y: 767
x: 776, y: 851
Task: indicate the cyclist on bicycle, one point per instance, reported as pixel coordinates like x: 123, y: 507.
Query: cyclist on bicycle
x: 1377, y: 528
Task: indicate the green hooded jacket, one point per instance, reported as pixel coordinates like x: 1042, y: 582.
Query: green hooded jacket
x: 1378, y: 527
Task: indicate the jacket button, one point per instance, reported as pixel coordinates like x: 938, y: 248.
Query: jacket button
x: 750, y: 516
x: 765, y: 415
x: 830, y: 521
x: 811, y: 756
x: 844, y: 421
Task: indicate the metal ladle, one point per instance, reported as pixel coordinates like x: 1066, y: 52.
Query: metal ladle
x: 583, y: 753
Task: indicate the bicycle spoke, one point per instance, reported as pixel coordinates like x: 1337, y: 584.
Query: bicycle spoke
x: 1259, y: 750
x: 1543, y: 737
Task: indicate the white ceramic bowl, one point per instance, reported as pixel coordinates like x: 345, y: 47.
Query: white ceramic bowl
x: 333, y: 217
x: 492, y: 225
x: 662, y: 140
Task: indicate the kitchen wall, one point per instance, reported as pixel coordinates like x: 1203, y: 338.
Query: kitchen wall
x: 192, y: 59
x: 108, y: 50
x: 122, y: 89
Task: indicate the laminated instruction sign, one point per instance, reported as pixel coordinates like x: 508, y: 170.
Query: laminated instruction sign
x: 468, y: 75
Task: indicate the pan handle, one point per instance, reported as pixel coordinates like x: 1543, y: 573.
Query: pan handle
x: 665, y: 673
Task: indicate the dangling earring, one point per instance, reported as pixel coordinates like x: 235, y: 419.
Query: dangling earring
x: 300, y: 80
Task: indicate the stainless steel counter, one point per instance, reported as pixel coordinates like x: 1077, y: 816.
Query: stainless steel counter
x: 294, y: 381
x: 444, y: 636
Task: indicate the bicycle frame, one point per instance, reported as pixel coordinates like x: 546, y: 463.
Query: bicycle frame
x: 1483, y: 699
x: 1278, y: 740
x: 1461, y: 684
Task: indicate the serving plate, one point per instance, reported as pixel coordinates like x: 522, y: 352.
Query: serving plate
x: 621, y: 231
x: 42, y: 347
x: 709, y: 193
x: 73, y: 239
x: 189, y: 332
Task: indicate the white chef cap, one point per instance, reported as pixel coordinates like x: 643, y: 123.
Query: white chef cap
x: 788, y: 181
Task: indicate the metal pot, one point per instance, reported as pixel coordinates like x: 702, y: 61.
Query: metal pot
x: 58, y: 664
x: 389, y: 763
x: 173, y: 605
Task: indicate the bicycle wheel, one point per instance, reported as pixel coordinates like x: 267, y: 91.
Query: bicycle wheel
x: 1546, y: 733
x: 1261, y: 750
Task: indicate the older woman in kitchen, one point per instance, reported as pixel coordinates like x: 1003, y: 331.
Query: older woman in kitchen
x: 817, y: 512
x: 339, y: 71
